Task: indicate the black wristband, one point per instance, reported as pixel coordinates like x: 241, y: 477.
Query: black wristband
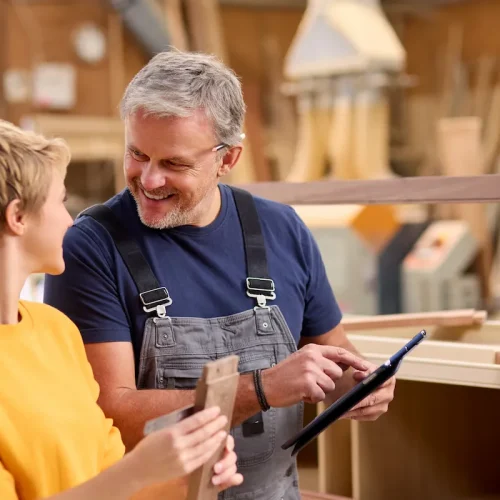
x: 260, y: 391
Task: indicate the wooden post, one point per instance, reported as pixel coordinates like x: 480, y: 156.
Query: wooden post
x: 174, y: 21
x: 206, y: 27
x: 4, y: 47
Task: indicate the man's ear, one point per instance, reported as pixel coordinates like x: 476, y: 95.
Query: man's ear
x: 229, y: 160
x: 15, y: 218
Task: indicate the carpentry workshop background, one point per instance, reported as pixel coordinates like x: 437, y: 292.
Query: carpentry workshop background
x: 340, y: 90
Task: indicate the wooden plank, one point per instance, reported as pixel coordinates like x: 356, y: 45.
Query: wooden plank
x: 311, y: 495
x: 216, y: 387
x: 206, y: 29
x: 443, y: 371
x: 3, y: 55
x: 116, y: 61
x: 407, y: 190
x: 429, y: 350
x: 463, y: 317
x: 176, y: 27
x: 254, y: 126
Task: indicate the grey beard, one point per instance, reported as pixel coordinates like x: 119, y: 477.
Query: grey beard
x: 175, y: 218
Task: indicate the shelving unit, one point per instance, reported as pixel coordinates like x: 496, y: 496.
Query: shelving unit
x: 431, y: 444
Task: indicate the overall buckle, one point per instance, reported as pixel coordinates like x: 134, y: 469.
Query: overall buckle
x: 157, y: 299
x: 262, y: 289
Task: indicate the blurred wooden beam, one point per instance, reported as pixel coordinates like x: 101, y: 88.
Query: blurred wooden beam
x: 301, y: 4
x: 3, y: 55
x: 116, y: 61
x: 205, y: 27
x: 404, y: 190
x: 176, y: 26
x: 272, y: 4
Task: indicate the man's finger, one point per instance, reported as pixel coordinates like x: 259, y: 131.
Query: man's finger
x: 367, y: 413
x: 315, y: 395
x: 339, y: 355
x: 326, y: 383
x: 331, y: 369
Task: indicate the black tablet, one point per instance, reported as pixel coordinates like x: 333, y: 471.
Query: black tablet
x: 353, y: 397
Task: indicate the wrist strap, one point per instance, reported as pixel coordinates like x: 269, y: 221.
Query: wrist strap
x: 257, y: 379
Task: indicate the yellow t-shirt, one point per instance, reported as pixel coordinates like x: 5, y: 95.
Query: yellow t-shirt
x: 53, y: 435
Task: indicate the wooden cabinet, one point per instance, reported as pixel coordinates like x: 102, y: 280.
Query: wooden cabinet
x: 440, y: 439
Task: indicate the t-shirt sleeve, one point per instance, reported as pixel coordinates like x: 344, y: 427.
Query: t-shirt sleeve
x: 7, y: 485
x: 321, y: 310
x: 114, y: 449
x: 87, y: 291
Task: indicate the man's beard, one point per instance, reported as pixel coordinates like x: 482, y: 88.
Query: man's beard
x: 176, y: 216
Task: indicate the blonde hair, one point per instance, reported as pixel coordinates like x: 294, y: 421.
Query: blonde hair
x: 27, y: 162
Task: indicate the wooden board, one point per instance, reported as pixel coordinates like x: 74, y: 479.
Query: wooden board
x: 442, y: 318
x: 217, y: 387
x: 460, y: 355
x: 311, y: 495
x: 117, y: 82
x: 432, y: 189
x: 174, y: 21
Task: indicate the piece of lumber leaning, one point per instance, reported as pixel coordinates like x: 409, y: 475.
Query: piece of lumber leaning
x: 216, y: 387
x: 461, y: 317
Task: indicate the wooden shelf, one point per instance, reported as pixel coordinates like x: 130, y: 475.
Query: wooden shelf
x: 436, y: 438
x: 472, y: 362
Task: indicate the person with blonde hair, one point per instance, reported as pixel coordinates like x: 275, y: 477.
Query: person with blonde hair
x: 55, y: 441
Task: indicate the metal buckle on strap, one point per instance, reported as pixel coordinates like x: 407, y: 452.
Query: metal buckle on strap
x: 262, y: 289
x: 159, y: 304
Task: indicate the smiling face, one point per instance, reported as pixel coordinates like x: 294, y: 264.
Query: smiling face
x: 172, y: 171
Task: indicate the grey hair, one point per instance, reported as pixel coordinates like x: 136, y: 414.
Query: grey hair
x: 176, y: 83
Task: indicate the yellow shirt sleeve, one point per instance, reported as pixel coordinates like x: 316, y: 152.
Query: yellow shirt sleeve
x: 115, y: 448
x: 7, y: 485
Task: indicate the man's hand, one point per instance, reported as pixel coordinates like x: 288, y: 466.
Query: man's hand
x: 308, y: 374
x: 377, y: 403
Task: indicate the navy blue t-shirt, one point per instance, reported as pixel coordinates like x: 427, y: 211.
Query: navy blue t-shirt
x: 203, y: 269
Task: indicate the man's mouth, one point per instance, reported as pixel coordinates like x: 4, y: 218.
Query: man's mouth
x: 157, y: 197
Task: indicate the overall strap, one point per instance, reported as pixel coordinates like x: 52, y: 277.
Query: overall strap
x: 153, y: 296
x: 258, y: 282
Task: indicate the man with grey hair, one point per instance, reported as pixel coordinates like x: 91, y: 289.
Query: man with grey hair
x: 180, y: 269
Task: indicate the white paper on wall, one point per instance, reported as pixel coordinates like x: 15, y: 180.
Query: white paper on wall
x: 54, y: 86
x: 16, y: 85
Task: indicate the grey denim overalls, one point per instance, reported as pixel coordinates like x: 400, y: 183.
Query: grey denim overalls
x: 174, y: 351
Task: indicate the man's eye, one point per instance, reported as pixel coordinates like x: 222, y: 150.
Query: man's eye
x: 177, y: 165
x: 137, y: 154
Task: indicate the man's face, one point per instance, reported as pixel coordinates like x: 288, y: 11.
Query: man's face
x: 170, y: 168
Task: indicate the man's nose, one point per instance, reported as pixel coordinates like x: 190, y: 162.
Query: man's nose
x: 152, y: 177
